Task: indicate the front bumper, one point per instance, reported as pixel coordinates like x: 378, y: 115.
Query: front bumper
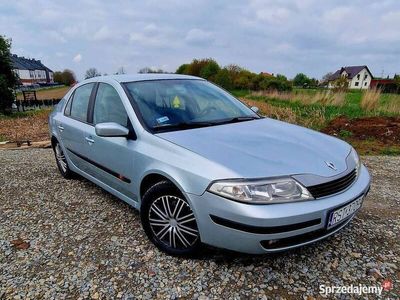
x: 267, y: 228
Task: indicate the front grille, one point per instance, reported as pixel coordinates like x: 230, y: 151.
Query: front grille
x: 334, y: 186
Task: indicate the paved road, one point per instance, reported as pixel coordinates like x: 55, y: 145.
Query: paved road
x: 70, y: 239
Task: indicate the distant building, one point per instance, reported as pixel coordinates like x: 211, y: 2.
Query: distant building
x: 31, y: 71
x: 385, y: 85
x: 359, y: 77
x: 267, y: 74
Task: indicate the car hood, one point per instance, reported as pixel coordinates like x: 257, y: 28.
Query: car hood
x: 265, y: 148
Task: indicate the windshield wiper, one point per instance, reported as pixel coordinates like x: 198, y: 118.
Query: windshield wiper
x: 189, y: 125
x: 182, y: 125
x: 236, y: 119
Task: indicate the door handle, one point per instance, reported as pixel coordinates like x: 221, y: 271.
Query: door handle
x: 89, y: 140
x: 60, y: 127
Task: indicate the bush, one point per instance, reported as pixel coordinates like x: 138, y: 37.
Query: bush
x: 233, y: 76
x: 223, y: 79
x: 66, y: 77
x: 301, y: 80
x: 183, y: 69
x: 341, y: 84
x: 272, y: 83
x: 209, y: 70
x: 244, y: 80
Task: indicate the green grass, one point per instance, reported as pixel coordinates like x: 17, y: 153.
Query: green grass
x: 345, y: 133
x: 46, y: 88
x: 390, y: 151
x: 296, y: 107
x: 22, y: 114
x: 240, y: 93
x: 351, y: 109
x: 2, y: 138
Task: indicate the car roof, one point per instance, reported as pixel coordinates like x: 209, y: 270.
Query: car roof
x: 144, y: 77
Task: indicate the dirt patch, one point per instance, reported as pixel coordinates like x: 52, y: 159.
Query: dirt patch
x: 369, y: 135
x: 32, y: 127
x: 383, y: 129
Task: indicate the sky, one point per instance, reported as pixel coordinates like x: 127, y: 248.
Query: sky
x: 276, y: 36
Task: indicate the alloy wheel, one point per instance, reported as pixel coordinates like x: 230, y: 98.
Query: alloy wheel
x: 62, y: 161
x: 173, y: 223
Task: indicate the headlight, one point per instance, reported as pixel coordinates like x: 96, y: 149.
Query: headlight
x: 262, y: 191
x: 356, y: 158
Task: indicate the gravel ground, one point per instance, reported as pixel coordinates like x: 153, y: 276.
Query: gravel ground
x: 70, y: 239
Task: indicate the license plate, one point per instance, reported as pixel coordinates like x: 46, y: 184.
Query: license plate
x: 344, y: 212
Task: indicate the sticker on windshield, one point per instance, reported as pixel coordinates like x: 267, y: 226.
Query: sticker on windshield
x: 162, y: 119
x: 176, y: 103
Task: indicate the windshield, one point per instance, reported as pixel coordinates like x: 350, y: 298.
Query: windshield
x: 182, y: 104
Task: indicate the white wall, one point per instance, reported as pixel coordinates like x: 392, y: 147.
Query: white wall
x: 361, y: 81
x: 40, y: 75
x: 23, y: 74
x: 34, y: 76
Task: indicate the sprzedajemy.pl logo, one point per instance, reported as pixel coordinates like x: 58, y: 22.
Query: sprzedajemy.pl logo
x: 359, y: 289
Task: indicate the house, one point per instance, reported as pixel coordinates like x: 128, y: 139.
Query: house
x: 31, y: 71
x: 358, y: 77
x: 267, y: 74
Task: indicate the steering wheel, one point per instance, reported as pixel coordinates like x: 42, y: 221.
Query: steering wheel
x: 207, y: 110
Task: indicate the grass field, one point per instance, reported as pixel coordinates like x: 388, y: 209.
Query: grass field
x: 48, y: 93
x: 300, y: 103
x: 370, y: 121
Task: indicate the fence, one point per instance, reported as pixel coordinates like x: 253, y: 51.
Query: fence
x: 25, y: 105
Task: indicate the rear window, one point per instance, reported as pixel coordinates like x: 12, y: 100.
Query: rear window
x: 80, y: 102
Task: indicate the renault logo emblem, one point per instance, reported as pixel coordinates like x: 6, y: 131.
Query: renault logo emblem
x: 331, y: 165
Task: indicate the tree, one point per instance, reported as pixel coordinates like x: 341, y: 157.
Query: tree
x: 223, y: 79
x: 301, y: 80
x: 92, y: 72
x: 210, y: 69
x: 244, y: 80
x: 281, y: 77
x: 66, y: 77
x: 120, y: 71
x: 145, y: 70
x: 273, y: 83
x: 326, y: 78
x: 57, y: 76
x: 341, y: 84
x: 233, y: 76
x: 8, y: 79
x: 182, y: 69
x: 150, y: 70
x: 313, y: 83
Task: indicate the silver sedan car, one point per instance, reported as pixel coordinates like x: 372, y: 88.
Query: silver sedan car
x: 202, y: 167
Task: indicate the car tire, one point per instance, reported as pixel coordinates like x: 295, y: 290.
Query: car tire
x: 169, y: 221
x: 62, y: 162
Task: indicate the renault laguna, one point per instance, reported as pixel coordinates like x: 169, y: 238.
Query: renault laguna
x: 204, y: 168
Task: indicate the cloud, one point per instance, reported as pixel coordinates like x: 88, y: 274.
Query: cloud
x: 77, y: 58
x: 103, y: 34
x: 153, y: 36
x: 276, y: 36
x: 56, y: 36
x: 199, y: 37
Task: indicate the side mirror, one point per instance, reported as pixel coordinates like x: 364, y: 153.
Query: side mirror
x: 255, y: 109
x: 111, y: 129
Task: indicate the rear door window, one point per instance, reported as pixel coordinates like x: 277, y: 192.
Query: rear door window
x: 80, y: 102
